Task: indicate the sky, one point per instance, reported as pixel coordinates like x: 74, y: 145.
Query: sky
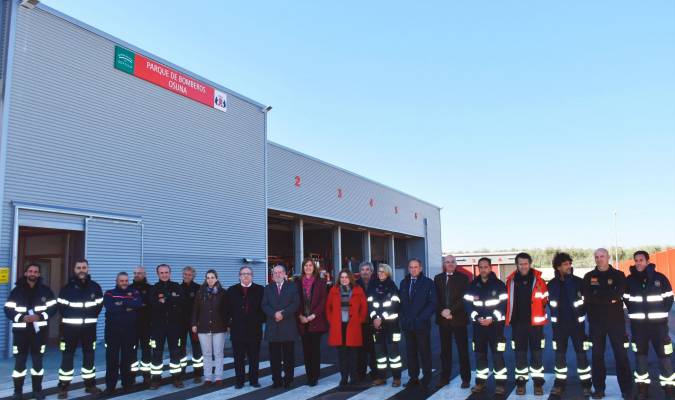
x: 528, y: 122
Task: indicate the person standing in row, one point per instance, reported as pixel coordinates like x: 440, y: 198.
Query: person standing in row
x: 452, y: 320
x: 383, y: 309
x: 649, y: 298
x: 487, y: 298
x: 30, y: 306
x: 246, y: 319
x: 190, y: 289
x: 209, y: 316
x: 526, y: 313
x: 167, y: 303
x: 346, y: 310
x: 366, y: 357
x: 121, y: 306
x: 280, y: 303
x: 142, y: 327
x: 311, y: 316
x: 418, y: 305
x: 568, y: 316
x: 80, y: 303
x: 603, y: 291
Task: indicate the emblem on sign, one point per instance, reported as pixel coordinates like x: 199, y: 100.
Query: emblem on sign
x: 219, y: 100
x: 657, y: 283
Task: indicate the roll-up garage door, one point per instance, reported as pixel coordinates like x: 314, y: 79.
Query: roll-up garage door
x: 111, y: 247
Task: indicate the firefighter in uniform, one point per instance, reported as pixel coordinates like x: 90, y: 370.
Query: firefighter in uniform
x: 568, y: 316
x: 526, y: 314
x: 603, y: 291
x: 142, y: 327
x: 80, y: 302
x: 167, y: 304
x: 121, y: 305
x: 190, y: 289
x: 383, y: 306
x: 29, y: 306
x: 649, y: 298
x: 486, y: 297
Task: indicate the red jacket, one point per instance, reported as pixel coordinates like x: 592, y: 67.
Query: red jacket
x: 317, y: 307
x: 539, y: 299
x: 358, y: 310
x: 466, y: 272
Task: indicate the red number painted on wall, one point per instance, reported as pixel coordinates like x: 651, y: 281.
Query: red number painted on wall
x: 298, y: 180
x: 372, y: 202
x: 339, y: 193
x: 395, y: 209
x: 415, y: 215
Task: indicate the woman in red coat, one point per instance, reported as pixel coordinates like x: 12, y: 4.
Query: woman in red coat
x: 311, y: 316
x: 346, y: 310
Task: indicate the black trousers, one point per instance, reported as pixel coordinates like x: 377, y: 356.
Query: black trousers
x: 656, y: 333
x: 311, y: 350
x: 526, y: 337
x: 171, y: 335
x: 28, y: 342
x: 347, y: 359
x: 142, y: 343
x: 562, y: 334
x: 490, y: 337
x: 244, y: 350
x: 619, y: 340
x: 282, y: 357
x: 197, y: 357
x: 418, y: 347
x: 71, y: 336
x: 461, y: 337
x: 387, y: 352
x: 119, y: 356
x: 366, y: 357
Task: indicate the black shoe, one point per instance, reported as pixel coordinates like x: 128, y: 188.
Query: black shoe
x: 311, y: 383
x: 343, y: 382
x: 93, y: 389
x: 412, y: 382
x: 288, y: 384
x: 238, y: 385
x: 109, y: 392
x: 442, y: 383
x: 254, y: 384
x: 466, y: 385
x: 17, y: 396
x: 598, y: 394
x: 277, y: 385
x: 586, y: 391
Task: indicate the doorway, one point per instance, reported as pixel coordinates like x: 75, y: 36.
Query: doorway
x: 55, y: 250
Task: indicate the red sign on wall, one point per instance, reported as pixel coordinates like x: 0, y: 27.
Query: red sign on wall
x: 168, y: 78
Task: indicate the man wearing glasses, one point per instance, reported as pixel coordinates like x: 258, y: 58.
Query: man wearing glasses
x: 244, y: 302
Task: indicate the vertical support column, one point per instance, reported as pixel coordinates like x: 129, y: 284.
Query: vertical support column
x: 337, y: 250
x: 299, y: 244
x: 366, y: 246
x: 392, y: 256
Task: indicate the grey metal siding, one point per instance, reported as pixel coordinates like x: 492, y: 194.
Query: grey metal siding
x: 112, y: 247
x: 84, y: 135
x: 317, y: 196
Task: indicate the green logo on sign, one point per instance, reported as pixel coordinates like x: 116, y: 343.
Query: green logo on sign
x: 124, y: 60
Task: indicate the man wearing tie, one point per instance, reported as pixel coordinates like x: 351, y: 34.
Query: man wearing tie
x: 280, y: 302
x: 452, y: 320
x: 418, y: 305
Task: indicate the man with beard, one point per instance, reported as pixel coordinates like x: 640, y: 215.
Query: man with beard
x: 29, y: 306
x: 80, y: 302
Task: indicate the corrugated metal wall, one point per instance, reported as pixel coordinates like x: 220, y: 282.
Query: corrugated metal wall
x: 303, y: 185
x: 112, y: 247
x: 84, y: 135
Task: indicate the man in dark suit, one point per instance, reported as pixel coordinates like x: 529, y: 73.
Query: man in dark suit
x: 418, y: 305
x: 452, y: 320
x: 246, y: 319
x: 280, y: 302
